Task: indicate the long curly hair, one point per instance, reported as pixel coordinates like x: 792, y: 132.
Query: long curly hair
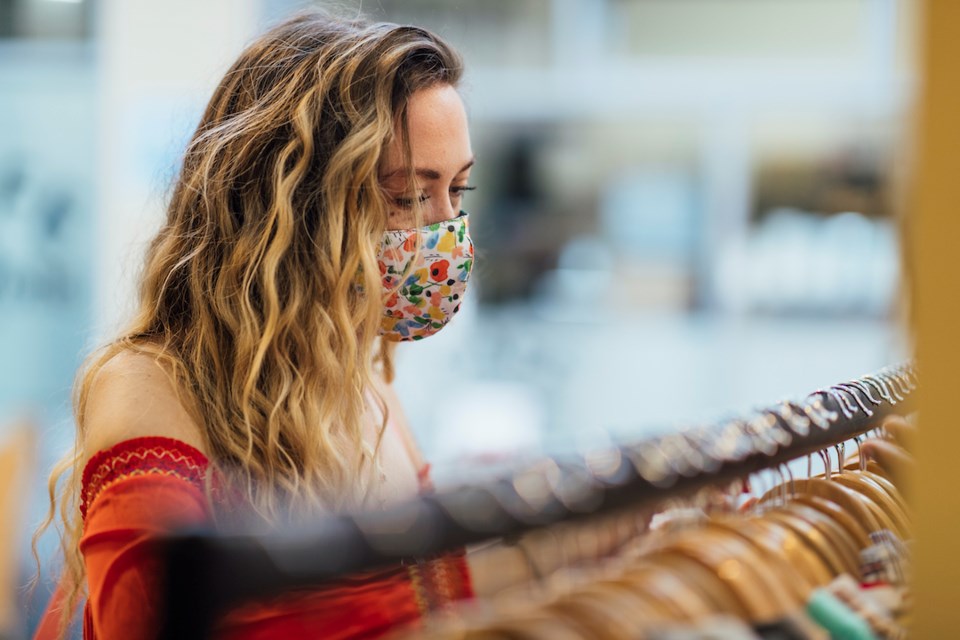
x: 253, y: 295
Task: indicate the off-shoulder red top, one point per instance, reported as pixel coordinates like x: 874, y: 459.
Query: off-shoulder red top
x: 143, y: 487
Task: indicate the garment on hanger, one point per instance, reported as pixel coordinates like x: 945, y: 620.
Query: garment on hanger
x: 797, y: 561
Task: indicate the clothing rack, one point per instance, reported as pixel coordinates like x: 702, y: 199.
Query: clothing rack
x: 209, y: 572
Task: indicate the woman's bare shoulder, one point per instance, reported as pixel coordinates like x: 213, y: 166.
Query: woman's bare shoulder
x: 132, y: 396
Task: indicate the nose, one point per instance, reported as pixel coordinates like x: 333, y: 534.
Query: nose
x: 441, y: 210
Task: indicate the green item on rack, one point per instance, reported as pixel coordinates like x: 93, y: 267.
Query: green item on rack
x: 839, y: 620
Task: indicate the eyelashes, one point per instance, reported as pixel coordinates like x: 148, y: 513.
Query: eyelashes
x: 406, y: 203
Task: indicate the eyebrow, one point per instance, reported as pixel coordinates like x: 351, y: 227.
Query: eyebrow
x: 425, y: 173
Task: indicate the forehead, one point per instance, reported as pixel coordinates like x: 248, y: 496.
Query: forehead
x: 439, y: 136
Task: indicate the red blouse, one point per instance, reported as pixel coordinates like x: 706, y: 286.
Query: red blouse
x: 143, y: 487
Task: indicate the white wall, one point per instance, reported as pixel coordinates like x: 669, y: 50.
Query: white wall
x: 158, y: 64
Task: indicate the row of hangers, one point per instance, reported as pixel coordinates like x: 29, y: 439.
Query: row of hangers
x: 556, y: 493
x: 760, y: 563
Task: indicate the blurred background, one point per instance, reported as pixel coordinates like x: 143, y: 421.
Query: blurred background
x: 685, y: 208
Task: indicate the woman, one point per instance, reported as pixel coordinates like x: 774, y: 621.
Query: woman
x: 316, y: 221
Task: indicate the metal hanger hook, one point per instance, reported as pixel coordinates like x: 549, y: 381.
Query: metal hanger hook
x: 825, y: 456
x: 865, y: 390
x: 881, y: 386
x: 887, y: 377
x: 869, y: 382
x: 783, y: 485
x: 842, y: 393
x: 860, y: 458
x: 793, y: 486
x: 900, y: 380
x: 856, y: 396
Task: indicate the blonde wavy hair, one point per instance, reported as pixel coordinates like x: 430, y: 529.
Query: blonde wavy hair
x: 252, y: 295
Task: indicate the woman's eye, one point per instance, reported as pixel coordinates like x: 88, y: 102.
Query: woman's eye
x: 406, y: 203
x: 459, y: 191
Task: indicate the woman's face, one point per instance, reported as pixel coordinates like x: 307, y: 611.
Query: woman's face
x: 442, y: 157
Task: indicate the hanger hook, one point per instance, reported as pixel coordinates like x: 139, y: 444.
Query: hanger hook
x: 860, y: 460
x: 911, y: 373
x: 787, y: 488
x: 814, y: 413
x: 822, y: 416
x: 797, y: 422
x: 845, y: 393
x: 869, y: 381
x: 825, y: 456
x: 856, y: 397
x: 773, y: 427
x: 891, y: 385
x: 793, y: 487
x: 908, y: 382
x: 759, y: 487
x: 897, y: 378
x: 865, y: 390
x: 905, y: 376
x: 783, y: 485
x: 842, y: 402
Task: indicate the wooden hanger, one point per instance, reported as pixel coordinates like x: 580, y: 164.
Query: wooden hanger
x: 741, y: 570
x: 537, y: 624
x: 849, y: 500
x: 605, y: 612
x: 702, y: 579
x: 663, y: 584
x: 800, y: 555
x: 813, y: 537
x: 832, y: 510
x: 864, y: 485
x: 840, y: 540
x: 792, y: 577
x: 891, y: 490
x: 872, y: 470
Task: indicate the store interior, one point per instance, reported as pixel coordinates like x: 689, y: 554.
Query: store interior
x: 687, y: 213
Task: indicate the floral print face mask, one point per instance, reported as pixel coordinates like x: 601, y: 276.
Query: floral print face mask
x: 431, y: 288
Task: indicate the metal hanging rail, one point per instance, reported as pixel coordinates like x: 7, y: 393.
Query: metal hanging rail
x: 209, y: 572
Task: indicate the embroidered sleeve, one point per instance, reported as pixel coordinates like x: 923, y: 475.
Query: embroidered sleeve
x: 133, y: 493
x: 138, y: 489
x: 140, y: 457
x: 440, y: 581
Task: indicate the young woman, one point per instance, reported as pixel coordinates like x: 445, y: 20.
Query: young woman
x: 315, y: 222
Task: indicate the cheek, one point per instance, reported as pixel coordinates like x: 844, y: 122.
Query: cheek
x: 400, y: 219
